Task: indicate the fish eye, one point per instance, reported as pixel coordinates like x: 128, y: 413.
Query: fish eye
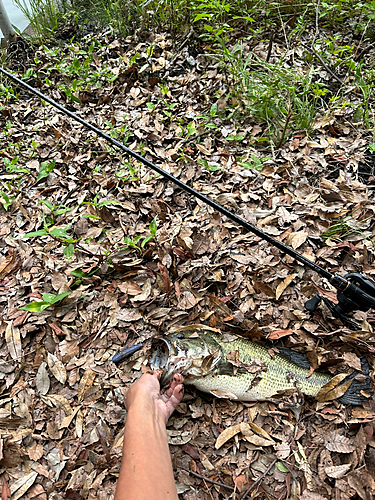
x: 180, y: 336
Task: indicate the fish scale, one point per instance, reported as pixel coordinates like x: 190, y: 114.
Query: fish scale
x: 204, y: 361
x: 281, y: 374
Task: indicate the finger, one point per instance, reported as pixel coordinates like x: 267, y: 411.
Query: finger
x: 175, y: 399
x: 177, y: 380
x: 157, y: 373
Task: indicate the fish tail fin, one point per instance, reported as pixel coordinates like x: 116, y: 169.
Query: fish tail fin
x: 361, y: 389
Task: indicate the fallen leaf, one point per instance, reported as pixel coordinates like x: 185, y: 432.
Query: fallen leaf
x: 353, y: 361
x: 13, y: 340
x: 85, y: 383
x: 338, y: 443
x: 295, y: 240
x: 337, y: 471
x: 57, y: 368
x: 334, y: 388
x: 10, y: 264
x: 283, y: 285
x: 128, y: 315
x: 5, y: 490
x: 277, y: 334
x: 20, y: 487
x: 42, y: 380
x: 227, y: 434
x: 187, y: 301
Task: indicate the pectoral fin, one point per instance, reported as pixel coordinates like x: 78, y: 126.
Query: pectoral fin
x: 219, y: 393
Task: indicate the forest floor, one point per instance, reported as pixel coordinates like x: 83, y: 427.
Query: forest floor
x: 136, y: 256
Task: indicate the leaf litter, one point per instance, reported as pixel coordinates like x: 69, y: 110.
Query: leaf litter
x: 62, y: 399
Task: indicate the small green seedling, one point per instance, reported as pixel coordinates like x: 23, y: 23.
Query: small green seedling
x: 255, y: 163
x: 211, y: 168
x: 134, y: 243
x: 57, y: 232
x: 55, y: 210
x: 8, y: 200
x: 49, y: 299
x: 46, y: 167
x: 99, y: 204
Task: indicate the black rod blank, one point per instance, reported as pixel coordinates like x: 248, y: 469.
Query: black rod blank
x: 337, y: 281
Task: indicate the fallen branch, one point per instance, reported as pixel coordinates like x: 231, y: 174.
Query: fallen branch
x: 364, y: 51
x: 324, y: 64
x: 258, y: 480
x: 209, y: 480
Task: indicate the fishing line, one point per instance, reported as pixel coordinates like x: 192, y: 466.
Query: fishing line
x: 355, y: 291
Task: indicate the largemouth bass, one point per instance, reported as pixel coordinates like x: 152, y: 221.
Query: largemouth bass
x: 241, y: 369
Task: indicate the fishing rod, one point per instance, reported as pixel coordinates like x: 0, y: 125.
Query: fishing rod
x: 354, y: 290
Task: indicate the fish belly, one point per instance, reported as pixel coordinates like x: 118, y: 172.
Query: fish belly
x: 260, y: 387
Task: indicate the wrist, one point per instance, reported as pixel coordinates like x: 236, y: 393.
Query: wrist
x: 146, y: 409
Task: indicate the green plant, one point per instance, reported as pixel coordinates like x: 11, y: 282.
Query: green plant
x: 255, y: 162
x: 98, y: 205
x: 282, y: 98
x: 54, y: 210
x: 352, y: 223
x: 7, y: 93
x: 127, y: 172
x: 7, y: 200
x: 49, y: 299
x: 45, y: 16
x: 208, y: 166
x: 133, y: 243
x: 46, y: 167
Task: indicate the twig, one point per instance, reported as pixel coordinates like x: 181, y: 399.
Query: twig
x: 364, y: 51
x: 209, y: 480
x: 191, y: 139
x: 181, y: 47
x: 258, y: 480
x: 287, y: 120
x: 324, y: 64
x: 270, y: 46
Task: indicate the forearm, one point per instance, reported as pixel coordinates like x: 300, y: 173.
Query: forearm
x: 146, y: 471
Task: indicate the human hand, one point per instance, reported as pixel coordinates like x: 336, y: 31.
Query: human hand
x: 145, y: 394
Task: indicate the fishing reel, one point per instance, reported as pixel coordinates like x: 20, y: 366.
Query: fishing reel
x: 355, y: 292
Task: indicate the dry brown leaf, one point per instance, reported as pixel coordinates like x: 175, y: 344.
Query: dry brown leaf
x: 338, y: 443
x: 284, y: 284
x: 295, y: 240
x: 57, y: 368
x: 227, y: 434
x: 85, y: 383
x: 311, y: 495
x: 353, y: 361
x: 282, y: 450
x: 187, y: 301
x: 79, y: 424
x: 203, y: 150
x: 42, y: 380
x: 20, y: 487
x: 65, y: 422
x: 13, y: 340
x: 35, y: 452
x: 277, y: 334
x: 59, y: 401
x: 10, y: 264
x: 5, y: 490
x: 327, y: 390
x: 337, y: 471
x: 128, y: 315
x: 263, y: 287
x: 130, y: 287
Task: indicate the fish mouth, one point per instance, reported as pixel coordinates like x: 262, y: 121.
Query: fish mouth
x: 191, y: 357
x: 169, y: 356
x: 160, y: 355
